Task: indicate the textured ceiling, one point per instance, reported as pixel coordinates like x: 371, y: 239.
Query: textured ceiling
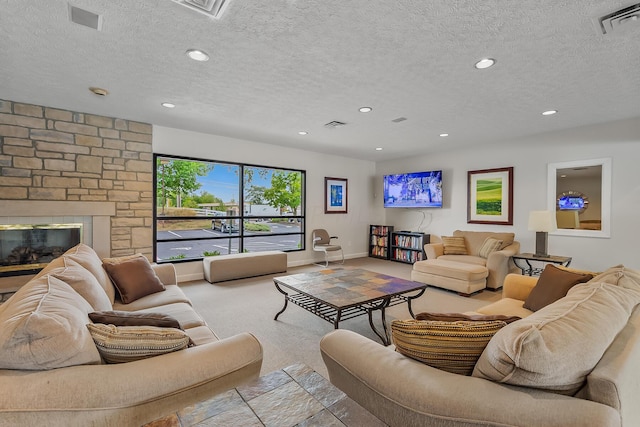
x: 281, y: 66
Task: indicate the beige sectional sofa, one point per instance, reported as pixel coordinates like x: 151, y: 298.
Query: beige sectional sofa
x: 533, y: 372
x: 52, y: 374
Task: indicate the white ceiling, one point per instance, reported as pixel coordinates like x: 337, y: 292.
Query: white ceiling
x: 281, y: 66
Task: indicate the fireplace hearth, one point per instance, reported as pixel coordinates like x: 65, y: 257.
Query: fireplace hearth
x: 28, y: 248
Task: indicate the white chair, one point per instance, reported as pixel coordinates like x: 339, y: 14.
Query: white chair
x: 322, y: 243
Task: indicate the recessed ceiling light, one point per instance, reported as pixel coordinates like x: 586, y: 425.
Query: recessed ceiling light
x: 99, y: 91
x: 365, y: 109
x: 378, y: 148
x: 303, y: 133
x: 197, y: 55
x: 168, y: 105
x: 444, y: 134
x: 549, y: 112
x: 485, y: 63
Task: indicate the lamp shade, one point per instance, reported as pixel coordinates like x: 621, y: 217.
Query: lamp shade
x: 542, y: 221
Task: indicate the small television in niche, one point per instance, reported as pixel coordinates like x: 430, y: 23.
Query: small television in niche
x: 413, y: 190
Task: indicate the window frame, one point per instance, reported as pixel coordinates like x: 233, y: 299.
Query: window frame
x: 241, y: 217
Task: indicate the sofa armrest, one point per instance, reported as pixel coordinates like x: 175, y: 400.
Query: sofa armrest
x: 517, y: 286
x: 433, y: 250
x: 166, y: 273
x: 499, y: 265
x: 102, y: 394
x: 403, y: 391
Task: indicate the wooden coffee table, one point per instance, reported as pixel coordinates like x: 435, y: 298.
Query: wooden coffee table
x: 342, y: 293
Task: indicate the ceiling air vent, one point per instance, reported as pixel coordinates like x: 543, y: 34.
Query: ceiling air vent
x: 334, y: 124
x: 86, y: 18
x: 399, y: 119
x: 211, y: 8
x: 622, y: 20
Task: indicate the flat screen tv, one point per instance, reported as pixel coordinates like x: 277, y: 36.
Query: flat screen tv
x: 413, y: 190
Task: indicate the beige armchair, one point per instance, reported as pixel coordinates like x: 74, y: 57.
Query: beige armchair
x: 498, y: 263
x: 322, y: 243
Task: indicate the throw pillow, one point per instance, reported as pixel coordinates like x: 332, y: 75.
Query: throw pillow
x: 553, y: 284
x: 83, y: 282
x: 451, y: 346
x: 453, y: 317
x: 133, y: 277
x: 89, y: 259
x: 43, y: 327
x: 555, y: 348
x: 125, y: 318
x: 454, y: 245
x: 489, y: 245
x: 120, y: 344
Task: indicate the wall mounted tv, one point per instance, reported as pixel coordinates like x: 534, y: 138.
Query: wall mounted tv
x: 413, y: 190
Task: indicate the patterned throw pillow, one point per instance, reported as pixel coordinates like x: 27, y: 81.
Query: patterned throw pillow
x: 454, y: 245
x: 489, y: 245
x: 126, y: 318
x: 119, y: 344
x: 451, y: 346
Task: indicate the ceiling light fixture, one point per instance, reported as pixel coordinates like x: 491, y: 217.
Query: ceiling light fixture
x: 378, y: 148
x: 365, y: 109
x: 444, y: 134
x: 549, y: 112
x: 198, y: 55
x: 303, y: 133
x: 99, y: 91
x: 485, y: 63
x: 168, y: 105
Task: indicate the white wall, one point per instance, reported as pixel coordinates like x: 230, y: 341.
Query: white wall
x: 529, y: 157
x: 351, y: 228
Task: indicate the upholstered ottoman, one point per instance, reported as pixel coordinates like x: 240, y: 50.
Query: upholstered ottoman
x: 456, y: 276
x: 247, y: 264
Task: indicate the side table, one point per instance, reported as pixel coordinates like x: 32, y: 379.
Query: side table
x: 523, y: 262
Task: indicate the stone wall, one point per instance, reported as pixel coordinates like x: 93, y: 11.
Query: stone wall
x: 59, y: 155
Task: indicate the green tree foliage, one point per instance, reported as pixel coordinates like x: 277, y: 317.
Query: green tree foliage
x: 179, y: 178
x: 285, y: 191
x: 255, y: 195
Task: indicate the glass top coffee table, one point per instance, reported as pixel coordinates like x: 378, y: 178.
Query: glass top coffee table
x: 342, y: 293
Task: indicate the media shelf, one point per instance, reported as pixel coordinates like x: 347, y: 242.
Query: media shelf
x: 408, y: 247
x: 380, y: 241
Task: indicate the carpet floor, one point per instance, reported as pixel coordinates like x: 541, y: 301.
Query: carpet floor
x: 250, y: 305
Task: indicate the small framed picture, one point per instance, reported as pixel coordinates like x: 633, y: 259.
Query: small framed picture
x: 335, y: 195
x: 490, y: 196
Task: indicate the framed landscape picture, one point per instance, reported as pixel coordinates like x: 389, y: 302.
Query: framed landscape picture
x: 490, y: 196
x: 335, y: 195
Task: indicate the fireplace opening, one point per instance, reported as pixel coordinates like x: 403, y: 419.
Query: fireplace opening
x: 28, y: 248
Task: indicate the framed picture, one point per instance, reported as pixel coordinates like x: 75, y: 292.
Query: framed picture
x: 490, y: 196
x: 335, y: 195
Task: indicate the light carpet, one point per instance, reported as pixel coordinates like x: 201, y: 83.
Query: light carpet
x: 251, y: 304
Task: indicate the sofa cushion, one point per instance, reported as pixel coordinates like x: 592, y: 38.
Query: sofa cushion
x: 489, y: 245
x: 126, y: 318
x: 453, y: 317
x: 454, y: 245
x: 133, y: 277
x: 119, y: 344
x: 450, y: 346
x: 557, y: 346
x: 89, y: 259
x: 43, y: 327
x: 83, y: 282
x: 620, y: 276
x: 172, y: 294
x: 553, y: 284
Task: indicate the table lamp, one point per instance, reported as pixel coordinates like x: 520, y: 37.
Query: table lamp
x: 542, y: 222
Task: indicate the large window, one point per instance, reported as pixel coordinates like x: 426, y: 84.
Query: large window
x: 207, y: 208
